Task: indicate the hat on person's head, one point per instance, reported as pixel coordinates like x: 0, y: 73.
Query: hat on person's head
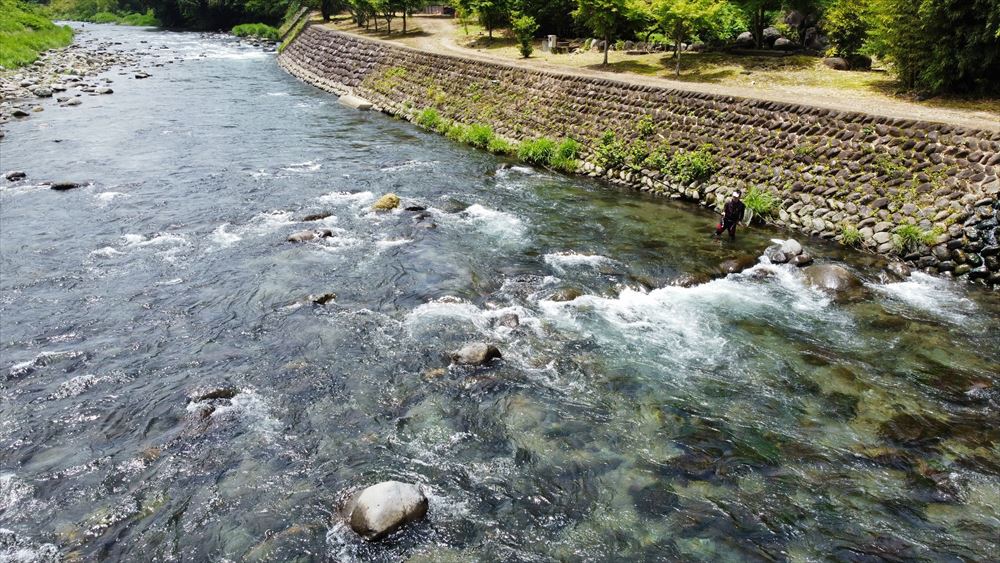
x: 736, y: 193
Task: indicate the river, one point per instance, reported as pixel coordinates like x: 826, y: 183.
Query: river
x: 748, y: 418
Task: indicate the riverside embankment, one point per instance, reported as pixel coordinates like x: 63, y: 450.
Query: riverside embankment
x: 924, y: 191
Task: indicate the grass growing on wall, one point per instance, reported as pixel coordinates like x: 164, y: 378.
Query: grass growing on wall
x: 25, y: 32
x: 260, y: 30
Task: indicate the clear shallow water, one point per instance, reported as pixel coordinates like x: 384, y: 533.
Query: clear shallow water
x: 749, y: 418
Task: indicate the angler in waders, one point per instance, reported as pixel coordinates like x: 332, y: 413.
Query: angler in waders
x: 732, y: 214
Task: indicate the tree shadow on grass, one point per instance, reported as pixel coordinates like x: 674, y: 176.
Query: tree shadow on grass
x: 708, y: 67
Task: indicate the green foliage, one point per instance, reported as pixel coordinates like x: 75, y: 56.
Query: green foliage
x: 762, y: 202
x: 456, y: 132
x: 658, y: 159
x: 850, y: 235
x: 147, y: 19
x: 938, y: 46
x: 429, y: 119
x: 498, y: 145
x: 886, y: 165
x: 524, y: 28
x: 478, y: 135
x: 568, y: 149
x: 611, y: 152
x: 636, y: 154
x: 104, y: 17
x: 260, y: 30
x: 537, y: 151
x: 846, y: 23
x: 681, y: 19
x: 492, y: 13
x: 908, y: 237
x: 605, y: 18
x: 645, y: 127
x: 25, y: 32
x: 689, y: 166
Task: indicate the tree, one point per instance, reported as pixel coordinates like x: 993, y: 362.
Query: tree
x: 680, y: 19
x: 606, y: 17
x: 409, y: 7
x: 847, y: 23
x: 756, y: 11
x: 938, y: 46
x: 524, y: 28
x: 492, y: 13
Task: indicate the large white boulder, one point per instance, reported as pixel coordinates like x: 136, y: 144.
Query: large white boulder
x: 386, y: 507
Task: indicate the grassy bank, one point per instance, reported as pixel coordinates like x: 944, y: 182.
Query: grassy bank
x: 132, y: 18
x: 25, y: 32
x: 261, y: 30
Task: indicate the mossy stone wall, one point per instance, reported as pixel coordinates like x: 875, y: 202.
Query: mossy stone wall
x: 831, y: 171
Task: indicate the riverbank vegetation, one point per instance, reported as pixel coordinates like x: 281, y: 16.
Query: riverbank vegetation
x: 103, y: 11
x: 261, y: 30
x: 25, y: 32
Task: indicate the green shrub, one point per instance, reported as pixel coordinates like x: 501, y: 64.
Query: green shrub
x: 524, y: 28
x: 762, y: 202
x: 611, y: 152
x: 886, y: 165
x: 850, y: 235
x: 498, y: 145
x: 443, y: 127
x: 143, y: 20
x: 568, y: 149
x: 645, y: 127
x: 846, y: 23
x: 260, y: 30
x: 537, y: 151
x: 909, y: 237
x: 104, y: 17
x: 636, y: 154
x: 657, y: 160
x: 456, y: 132
x: 689, y: 166
x: 478, y: 135
x: 428, y: 119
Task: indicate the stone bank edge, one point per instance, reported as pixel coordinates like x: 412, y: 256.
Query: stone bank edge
x: 848, y: 176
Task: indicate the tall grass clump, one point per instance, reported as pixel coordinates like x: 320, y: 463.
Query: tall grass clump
x: 565, y: 155
x: 146, y: 19
x: 908, y: 237
x: 611, y: 151
x: 428, y: 119
x: 25, y: 32
x: 537, y: 151
x: 478, y: 135
x: 260, y: 30
x: 761, y: 202
x: 850, y: 235
x: 499, y: 145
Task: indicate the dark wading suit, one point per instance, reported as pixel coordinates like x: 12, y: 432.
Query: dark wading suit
x: 732, y: 214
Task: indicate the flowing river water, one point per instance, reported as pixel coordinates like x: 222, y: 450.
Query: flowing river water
x: 748, y: 418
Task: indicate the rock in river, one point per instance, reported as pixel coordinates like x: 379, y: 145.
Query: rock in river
x: 64, y: 185
x: 15, y: 175
x: 388, y: 202
x: 303, y: 236
x: 831, y: 277
x: 386, y: 507
x: 475, y: 354
x: 737, y: 265
x: 211, y: 392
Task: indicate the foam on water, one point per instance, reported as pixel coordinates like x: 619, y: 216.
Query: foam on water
x: 223, y: 238
x: 107, y: 197
x: 308, y: 166
x: 347, y: 198
x: 410, y: 165
x: 560, y: 261
x: 502, y: 226
x: 106, y: 252
x: 385, y: 244
x: 938, y: 297
x: 134, y: 240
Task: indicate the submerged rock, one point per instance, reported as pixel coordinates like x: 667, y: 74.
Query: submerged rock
x: 315, y: 217
x: 322, y: 299
x: 388, y: 202
x: 475, y: 354
x: 736, y: 265
x: 509, y: 320
x: 64, y: 185
x: 211, y: 392
x: 386, y: 507
x: 15, y: 175
x: 898, y: 270
x: 565, y: 294
x: 801, y: 260
x: 831, y: 277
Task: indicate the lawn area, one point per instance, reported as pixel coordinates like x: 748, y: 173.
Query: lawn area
x: 25, y: 32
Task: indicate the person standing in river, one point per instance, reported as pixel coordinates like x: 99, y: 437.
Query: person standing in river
x: 732, y: 214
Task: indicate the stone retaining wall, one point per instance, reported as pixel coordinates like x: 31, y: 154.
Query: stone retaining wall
x: 830, y: 170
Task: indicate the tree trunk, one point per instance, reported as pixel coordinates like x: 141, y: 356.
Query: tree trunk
x: 677, y: 55
x: 404, y: 22
x: 607, y: 43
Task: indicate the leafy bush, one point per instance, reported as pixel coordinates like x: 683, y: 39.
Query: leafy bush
x: 478, y: 135
x: 658, y: 159
x: 260, y: 30
x: 846, y: 23
x: 762, y: 202
x: 850, y: 235
x: 611, y: 152
x: 429, y: 119
x: 104, y: 17
x: 524, y: 28
x: 456, y: 132
x: 909, y: 237
x: 636, y: 154
x: 147, y: 19
x: 537, y: 151
x: 689, y: 166
x: 645, y: 127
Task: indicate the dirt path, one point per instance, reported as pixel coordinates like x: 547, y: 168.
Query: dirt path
x: 439, y: 33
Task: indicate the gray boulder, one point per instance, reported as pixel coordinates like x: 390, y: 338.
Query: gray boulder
x: 15, y: 175
x: 104, y: 90
x: 775, y: 255
x: 386, y: 507
x: 736, y: 265
x: 770, y: 35
x: 744, y: 40
x: 898, y: 270
x: 801, y: 260
x: 475, y: 354
x: 783, y: 44
x: 791, y: 247
x: 837, y: 63
x: 42, y: 92
x: 64, y: 185
x: 813, y: 40
x: 831, y: 277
